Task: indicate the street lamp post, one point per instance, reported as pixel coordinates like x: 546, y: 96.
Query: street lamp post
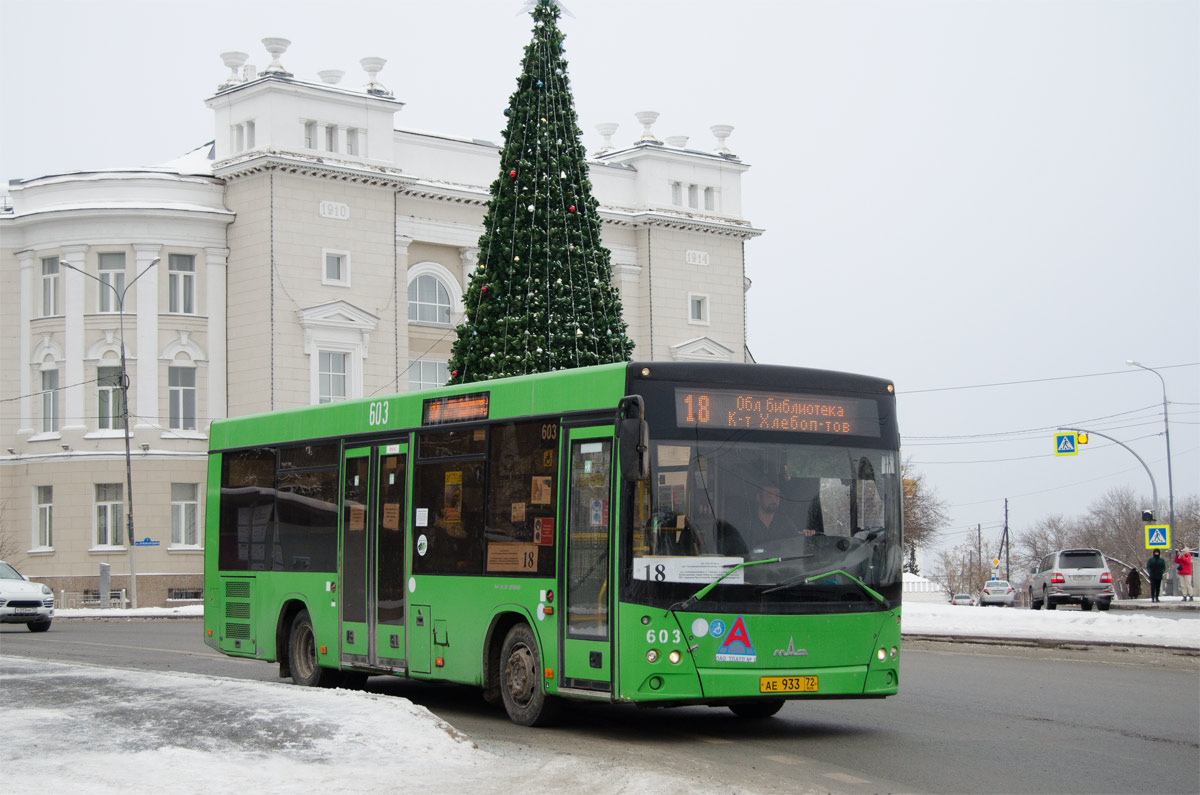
x: 120, y: 296
x: 1167, y: 433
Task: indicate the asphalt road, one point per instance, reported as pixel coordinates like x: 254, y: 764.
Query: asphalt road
x: 981, y: 718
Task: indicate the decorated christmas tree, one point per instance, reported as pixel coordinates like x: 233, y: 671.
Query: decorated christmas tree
x: 542, y: 297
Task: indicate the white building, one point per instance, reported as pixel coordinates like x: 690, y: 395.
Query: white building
x: 313, y: 253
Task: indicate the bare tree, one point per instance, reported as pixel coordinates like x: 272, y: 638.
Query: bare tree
x: 924, y: 514
x: 10, y: 550
x: 955, y: 569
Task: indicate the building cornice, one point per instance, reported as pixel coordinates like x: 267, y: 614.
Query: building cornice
x: 260, y: 162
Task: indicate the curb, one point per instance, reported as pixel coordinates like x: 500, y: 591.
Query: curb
x: 1049, y: 643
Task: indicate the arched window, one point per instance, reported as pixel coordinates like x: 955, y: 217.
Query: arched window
x: 428, y: 300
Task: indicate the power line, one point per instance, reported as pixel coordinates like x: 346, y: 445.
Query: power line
x: 1038, y: 380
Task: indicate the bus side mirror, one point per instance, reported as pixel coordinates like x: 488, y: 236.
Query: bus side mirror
x: 635, y: 449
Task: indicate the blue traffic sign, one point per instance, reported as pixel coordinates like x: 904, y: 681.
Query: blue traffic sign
x: 145, y: 542
x: 1158, y: 536
x: 1064, y: 444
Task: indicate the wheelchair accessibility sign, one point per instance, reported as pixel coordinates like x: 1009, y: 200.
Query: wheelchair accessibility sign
x: 1065, y: 444
x: 1158, y: 536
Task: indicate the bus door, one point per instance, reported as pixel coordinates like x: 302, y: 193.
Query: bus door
x: 388, y: 556
x: 372, y: 561
x: 587, y: 647
x: 354, y: 632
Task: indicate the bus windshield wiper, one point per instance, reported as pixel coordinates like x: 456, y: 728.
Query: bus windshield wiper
x: 878, y: 597
x: 703, y: 592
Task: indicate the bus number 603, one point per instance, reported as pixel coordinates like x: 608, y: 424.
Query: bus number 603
x: 664, y: 636
x: 377, y: 413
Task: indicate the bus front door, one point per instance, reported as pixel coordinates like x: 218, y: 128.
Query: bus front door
x: 372, y: 557
x: 586, y: 660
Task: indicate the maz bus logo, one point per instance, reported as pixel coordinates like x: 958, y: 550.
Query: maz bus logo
x: 791, y: 650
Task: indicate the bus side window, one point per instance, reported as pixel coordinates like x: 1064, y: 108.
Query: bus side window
x: 522, y: 499
x: 448, y: 503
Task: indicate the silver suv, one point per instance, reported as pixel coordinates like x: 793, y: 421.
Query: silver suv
x: 1079, y: 576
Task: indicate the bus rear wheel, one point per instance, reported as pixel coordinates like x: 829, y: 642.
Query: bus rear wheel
x: 757, y: 709
x: 521, y: 682
x: 302, y: 648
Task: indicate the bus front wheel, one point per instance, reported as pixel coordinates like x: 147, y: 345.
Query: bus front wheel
x: 302, y: 647
x: 520, y: 678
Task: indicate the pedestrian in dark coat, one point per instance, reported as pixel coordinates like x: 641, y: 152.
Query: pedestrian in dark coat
x: 1134, y: 582
x: 1156, y: 567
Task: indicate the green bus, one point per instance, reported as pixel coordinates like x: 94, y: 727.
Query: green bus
x: 655, y: 533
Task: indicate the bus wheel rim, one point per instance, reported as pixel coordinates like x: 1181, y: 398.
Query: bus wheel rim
x: 520, y: 676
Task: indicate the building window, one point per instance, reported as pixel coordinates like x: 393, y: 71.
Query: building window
x: 185, y: 594
x: 331, y: 138
x: 109, y: 407
x: 693, y: 196
x: 239, y: 139
x: 49, y: 401
x: 181, y: 282
x: 181, y: 383
x: 112, y: 273
x: 109, y: 514
x: 185, y: 506
x: 352, y: 141
x: 428, y: 300
x: 677, y: 194
x: 331, y: 376
x: 49, y: 286
x: 249, y: 134
x: 310, y: 135
x: 426, y: 374
x: 710, y: 199
x: 697, y: 308
x: 45, y: 517
x: 336, y: 268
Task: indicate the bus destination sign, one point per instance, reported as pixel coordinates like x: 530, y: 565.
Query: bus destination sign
x: 776, y: 411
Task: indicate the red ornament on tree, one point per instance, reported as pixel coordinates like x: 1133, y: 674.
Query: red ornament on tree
x: 484, y: 289
x: 455, y: 373
x: 571, y: 209
x: 513, y: 173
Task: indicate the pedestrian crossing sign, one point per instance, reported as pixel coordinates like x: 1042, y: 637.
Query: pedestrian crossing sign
x: 1158, y: 536
x: 1064, y: 444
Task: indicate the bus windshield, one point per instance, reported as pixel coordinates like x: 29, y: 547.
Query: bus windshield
x: 823, y: 518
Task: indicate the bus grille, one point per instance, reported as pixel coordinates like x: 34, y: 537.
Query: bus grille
x: 237, y: 610
x: 237, y: 589
x: 239, y: 631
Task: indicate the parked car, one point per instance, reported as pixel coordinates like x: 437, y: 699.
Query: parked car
x: 24, y: 602
x: 997, y: 592
x: 1075, y: 576
x: 962, y: 599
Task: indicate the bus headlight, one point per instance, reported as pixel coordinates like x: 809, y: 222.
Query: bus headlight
x: 894, y: 652
x: 882, y: 655
x: 675, y: 657
x: 652, y: 655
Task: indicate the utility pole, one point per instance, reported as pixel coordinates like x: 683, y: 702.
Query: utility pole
x: 1007, y: 543
x: 979, y: 549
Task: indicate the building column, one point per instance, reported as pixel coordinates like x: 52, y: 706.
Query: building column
x: 74, y: 307
x: 26, y: 260
x: 216, y: 265
x: 146, y: 405
x: 402, y: 244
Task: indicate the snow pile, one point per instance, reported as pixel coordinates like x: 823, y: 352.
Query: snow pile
x: 114, y: 732
x: 995, y: 622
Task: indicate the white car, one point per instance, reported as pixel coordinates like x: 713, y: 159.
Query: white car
x: 997, y: 592
x: 24, y: 602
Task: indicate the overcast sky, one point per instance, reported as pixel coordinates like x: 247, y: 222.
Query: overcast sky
x: 953, y: 193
